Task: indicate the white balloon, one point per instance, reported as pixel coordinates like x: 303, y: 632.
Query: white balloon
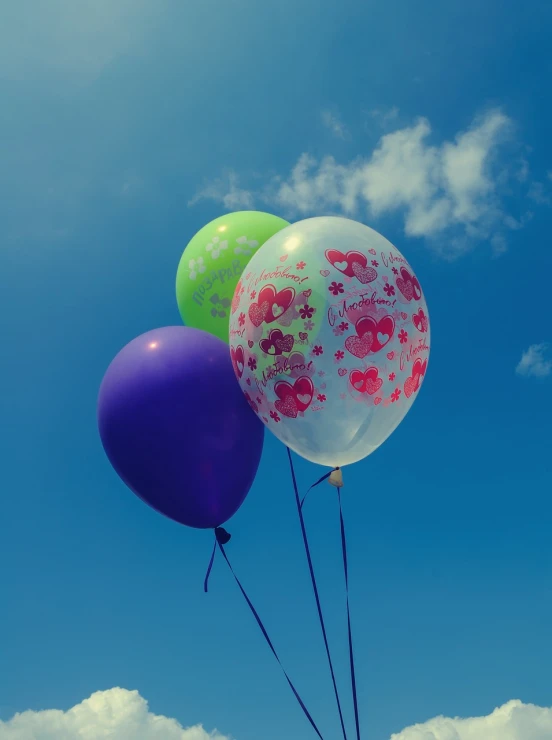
x: 329, y: 337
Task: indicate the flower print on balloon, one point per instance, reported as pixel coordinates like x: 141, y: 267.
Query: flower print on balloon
x: 213, y: 263
x: 340, y: 329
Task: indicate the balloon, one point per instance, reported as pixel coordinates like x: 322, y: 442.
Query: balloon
x: 212, y: 264
x: 176, y: 427
x: 330, y: 328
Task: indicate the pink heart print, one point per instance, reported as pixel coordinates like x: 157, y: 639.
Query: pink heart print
x: 420, y: 321
x: 364, y: 274
x: 237, y: 356
x: 366, y: 381
x: 413, y: 382
x: 359, y: 346
x: 294, y: 399
x: 371, y: 335
x: 408, y: 285
x: 271, y: 304
x: 345, y: 262
x: 276, y: 343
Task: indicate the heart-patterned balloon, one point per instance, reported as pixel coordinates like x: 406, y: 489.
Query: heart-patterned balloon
x: 340, y: 334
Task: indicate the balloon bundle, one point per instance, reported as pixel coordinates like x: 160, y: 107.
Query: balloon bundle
x: 329, y: 341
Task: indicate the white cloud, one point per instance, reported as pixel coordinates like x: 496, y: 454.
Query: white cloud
x: 335, y: 125
x: 447, y: 193
x: 513, y: 721
x: 534, y: 362
x: 119, y: 714
x: 116, y: 714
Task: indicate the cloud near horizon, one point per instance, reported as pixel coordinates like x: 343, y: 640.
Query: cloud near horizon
x: 452, y: 194
x: 119, y: 714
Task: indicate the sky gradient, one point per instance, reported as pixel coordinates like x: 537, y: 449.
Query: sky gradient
x: 126, y: 126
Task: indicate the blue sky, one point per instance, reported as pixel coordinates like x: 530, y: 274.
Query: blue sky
x: 126, y: 126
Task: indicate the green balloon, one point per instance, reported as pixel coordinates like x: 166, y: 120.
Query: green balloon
x: 212, y: 265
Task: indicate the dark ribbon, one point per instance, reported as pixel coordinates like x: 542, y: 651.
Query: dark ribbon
x: 351, y: 653
x: 222, y: 538
x: 346, y: 571
x: 314, y: 586
x: 318, y: 482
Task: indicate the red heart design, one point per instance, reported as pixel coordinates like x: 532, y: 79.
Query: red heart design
x: 303, y: 336
x: 420, y: 321
x: 408, y: 285
x: 283, y: 258
x: 307, y: 293
x: 236, y: 297
x: 413, y: 382
x: 410, y: 386
x: 257, y: 313
x: 302, y: 392
x: 419, y: 367
x: 377, y: 401
x: 406, y: 288
x: 287, y: 407
x: 250, y: 343
x: 276, y: 343
x: 364, y: 274
x: 324, y: 273
x: 341, y: 372
x: 238, y: 360
x: 344, y: 261
x: 404, y: 316
x: 367, y: 381
x: 381, y: 330
x: 278, y: 302
x: 359, y: 346
x: 390, y: 355
x: 285, y: 344
x: 372, y: 251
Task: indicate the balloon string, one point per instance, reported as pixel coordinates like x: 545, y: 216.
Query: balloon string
x: 351, y: 652
x: 221, y: 538
x: 210, y: 567
x: 318, y: 482
x: 315, y: 587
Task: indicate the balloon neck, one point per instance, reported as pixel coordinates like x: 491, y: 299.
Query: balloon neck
x: 336, y: 478
x: 222, y: 536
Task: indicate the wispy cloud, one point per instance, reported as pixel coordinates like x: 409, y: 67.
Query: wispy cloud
x: 385, y: 117
x: 534, y: 361
x: 449, y: 194
x: 335, y: 125
x: 225, y: 190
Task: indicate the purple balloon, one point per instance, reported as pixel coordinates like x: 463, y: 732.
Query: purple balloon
x: 177, y: 428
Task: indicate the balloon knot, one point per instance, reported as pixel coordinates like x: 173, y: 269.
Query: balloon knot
x: 223, y: 537
x: 336, y: 478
